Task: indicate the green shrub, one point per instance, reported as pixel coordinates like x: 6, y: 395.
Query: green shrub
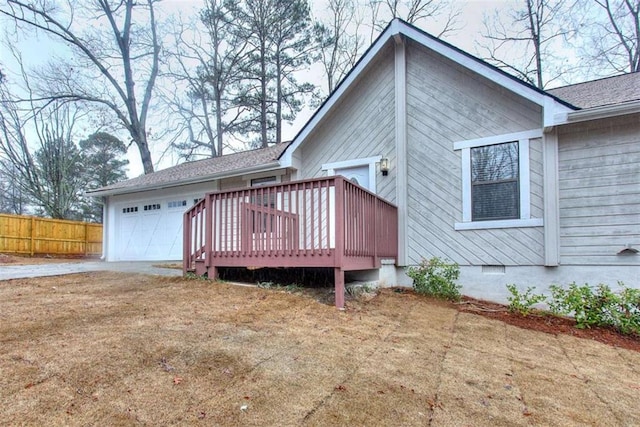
x: 435, y: 277
x: 626, y: 317
x: 598, y: 307
x: 523, y: 302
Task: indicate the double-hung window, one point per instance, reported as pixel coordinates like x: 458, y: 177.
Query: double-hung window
x: 496, y: 182
x: 495, y: 192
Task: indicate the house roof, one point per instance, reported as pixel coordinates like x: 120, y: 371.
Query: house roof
x: 199, y: 171
x: 598, y: 93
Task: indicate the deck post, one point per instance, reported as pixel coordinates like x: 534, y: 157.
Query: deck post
x: 339, y: 283
x: 212, y: 273
x: 208, y: 234
x: 339, y: 250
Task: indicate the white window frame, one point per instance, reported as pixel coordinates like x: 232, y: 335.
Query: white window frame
x: 367, y: 161
x: 276, y: 173
x: 524, y: 181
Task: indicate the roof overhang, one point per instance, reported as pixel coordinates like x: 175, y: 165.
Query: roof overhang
x: 595, y: 113
x: 397, y: 30
x: 179, y: 183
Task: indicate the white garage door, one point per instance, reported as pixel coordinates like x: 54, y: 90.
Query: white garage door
x: 149, y: 230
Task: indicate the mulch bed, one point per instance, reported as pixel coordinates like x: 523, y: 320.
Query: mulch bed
x: 548, y: 323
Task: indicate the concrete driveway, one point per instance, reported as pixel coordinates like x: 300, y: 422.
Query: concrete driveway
x: 144, y: 267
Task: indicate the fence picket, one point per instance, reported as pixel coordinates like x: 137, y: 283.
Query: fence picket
x: 28, y: 235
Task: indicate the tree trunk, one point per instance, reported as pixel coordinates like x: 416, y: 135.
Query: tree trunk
x: 263, y: 96
x: 145, y: 154
x: 278, y: 100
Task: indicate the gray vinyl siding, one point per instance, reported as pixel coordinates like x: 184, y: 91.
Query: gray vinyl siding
x: 599, y: 188
x: 362, y: 125
x: 445, y: 104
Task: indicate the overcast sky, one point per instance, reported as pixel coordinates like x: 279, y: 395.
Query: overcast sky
x: 37, y: 51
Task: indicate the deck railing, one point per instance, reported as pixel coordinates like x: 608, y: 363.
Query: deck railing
x: 324, y: 222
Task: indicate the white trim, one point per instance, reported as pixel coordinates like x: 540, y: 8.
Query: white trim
x: 474, y: 64
x: 466, y: 185
x: 550, y: 106
x: 502, y: 223
x: 277, y: 180
x: 596, y: 113
x: 524, y: 182
x: 273, y: 166
x: 351, y: 163
x: 105, y: 235
x: 498, y: 139
x: 402, y: 197
x: 368, y: 161
x: 551, y: 200
x: 344, y: 86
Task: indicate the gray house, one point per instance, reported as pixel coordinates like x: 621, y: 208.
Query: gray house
x: 461, y: 161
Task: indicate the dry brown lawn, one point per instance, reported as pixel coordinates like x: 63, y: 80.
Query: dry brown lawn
x: 115, y: 349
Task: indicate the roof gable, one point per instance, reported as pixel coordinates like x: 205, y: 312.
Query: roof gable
x: 399, y: 29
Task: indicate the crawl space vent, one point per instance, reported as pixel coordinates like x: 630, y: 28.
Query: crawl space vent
x: 493, y: 269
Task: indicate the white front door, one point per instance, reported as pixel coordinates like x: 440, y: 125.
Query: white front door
x: 360, y: 171
x: 358, y: 175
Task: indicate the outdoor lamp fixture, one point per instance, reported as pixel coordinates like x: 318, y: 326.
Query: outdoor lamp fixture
x: 384, y: 166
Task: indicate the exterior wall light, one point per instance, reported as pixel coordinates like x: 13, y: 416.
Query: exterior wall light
x: 384, y: 166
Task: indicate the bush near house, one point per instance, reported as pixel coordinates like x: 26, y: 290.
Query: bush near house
x: 435, y: 277
x: 590, y: 306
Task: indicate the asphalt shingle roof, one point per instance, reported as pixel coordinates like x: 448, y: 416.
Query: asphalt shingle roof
x: 199, y: 170
x: 598, y: 93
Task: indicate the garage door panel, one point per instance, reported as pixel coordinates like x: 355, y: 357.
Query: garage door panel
x: 149, y: 235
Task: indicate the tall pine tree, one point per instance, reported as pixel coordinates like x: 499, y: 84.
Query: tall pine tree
x: 279, y: 34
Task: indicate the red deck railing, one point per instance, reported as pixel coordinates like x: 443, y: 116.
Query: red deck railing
x: 324, y: 222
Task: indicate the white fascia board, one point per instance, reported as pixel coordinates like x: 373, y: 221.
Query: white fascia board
x: 350, y: 79
x: 159, y: 186
x: 552, y: 109
x: 596, y: 113
x: 550, y: 105
x: 498, y: 139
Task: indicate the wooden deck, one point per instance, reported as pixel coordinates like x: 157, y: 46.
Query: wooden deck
x: 324, y: 222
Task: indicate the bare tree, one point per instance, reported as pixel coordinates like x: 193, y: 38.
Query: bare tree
x: 13, y: 200
x: 206, y: 65
x: 52, y: 175
x: 115, y: 51
x: 339, y: 43
x: 611, y: 33
x: 525, y: 44
x: 417, y: 12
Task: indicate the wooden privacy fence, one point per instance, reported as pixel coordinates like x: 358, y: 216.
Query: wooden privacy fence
x: 30, y: 235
